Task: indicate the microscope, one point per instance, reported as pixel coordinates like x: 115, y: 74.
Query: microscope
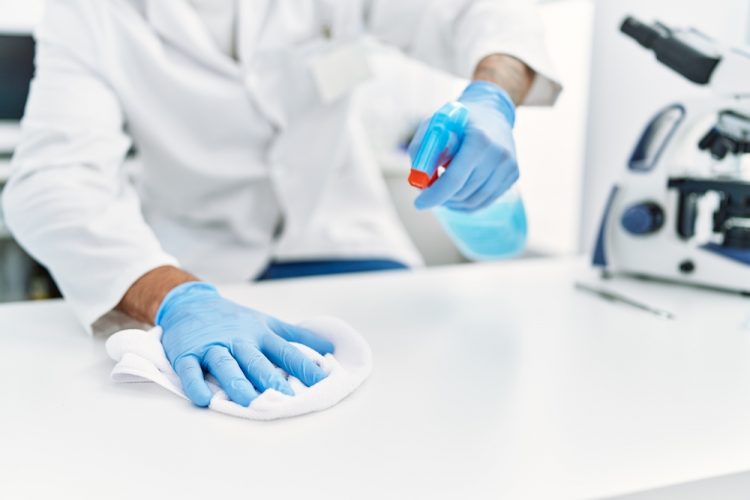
x: 681, y: 211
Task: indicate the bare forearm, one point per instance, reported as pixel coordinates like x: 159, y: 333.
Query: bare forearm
x: 507, y: 72
x: 144, y: 297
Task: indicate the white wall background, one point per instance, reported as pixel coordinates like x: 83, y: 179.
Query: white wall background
x: 551, y: 142
x: 628, y: 86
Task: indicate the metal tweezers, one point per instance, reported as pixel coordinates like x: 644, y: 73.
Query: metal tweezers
x: 622, y: 299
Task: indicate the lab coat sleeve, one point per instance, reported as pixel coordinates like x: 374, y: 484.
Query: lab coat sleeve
x: 455, y: 35
x: 67, y: 201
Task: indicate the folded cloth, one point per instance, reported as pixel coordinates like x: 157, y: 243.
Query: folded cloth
x: 140, y: 358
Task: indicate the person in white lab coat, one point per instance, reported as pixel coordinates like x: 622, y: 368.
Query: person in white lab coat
x: 240, y: 111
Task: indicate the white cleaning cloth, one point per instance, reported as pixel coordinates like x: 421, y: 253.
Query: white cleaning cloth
x: 140, y: 358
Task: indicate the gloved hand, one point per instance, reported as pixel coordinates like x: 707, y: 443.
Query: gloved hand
x: 237, y: 345
x: 485, y: 165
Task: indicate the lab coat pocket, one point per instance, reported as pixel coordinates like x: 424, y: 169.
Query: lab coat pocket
x: 293, y: 81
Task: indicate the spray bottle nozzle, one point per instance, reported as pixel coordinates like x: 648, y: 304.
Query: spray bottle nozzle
x: 440, y: 143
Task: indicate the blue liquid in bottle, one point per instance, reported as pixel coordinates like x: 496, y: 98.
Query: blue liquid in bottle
x: 495, y: 232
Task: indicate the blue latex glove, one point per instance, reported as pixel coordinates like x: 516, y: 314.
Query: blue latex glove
x: 485, y: 165
x: 237, y: 345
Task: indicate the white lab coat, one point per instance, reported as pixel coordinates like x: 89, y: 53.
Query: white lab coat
x: 243, y: 161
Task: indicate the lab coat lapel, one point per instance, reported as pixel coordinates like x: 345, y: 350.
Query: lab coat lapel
x: 175, y: 21
x: 252, y: 18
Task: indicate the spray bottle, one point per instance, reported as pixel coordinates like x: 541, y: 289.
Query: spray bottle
x: 495, y: 232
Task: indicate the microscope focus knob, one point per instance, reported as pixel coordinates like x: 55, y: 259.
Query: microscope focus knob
x: 643, y: 218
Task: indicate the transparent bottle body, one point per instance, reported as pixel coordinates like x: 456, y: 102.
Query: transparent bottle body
x: 492, y: 233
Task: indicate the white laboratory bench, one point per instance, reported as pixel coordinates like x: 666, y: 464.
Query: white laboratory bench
x: 490, y: 381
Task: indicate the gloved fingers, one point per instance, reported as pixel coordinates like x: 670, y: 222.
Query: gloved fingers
x: 301, y: 335
x: 478, y: 178
x: 225, y: 369
x: 259, y: 370
x: 505, y: 184
x: 291, y: 360
x: 191, y: 377
x: 477, y: 202
x: 452, y: 180
x: 498, y: 183
x: 459, y: 206
x: 416, y: 141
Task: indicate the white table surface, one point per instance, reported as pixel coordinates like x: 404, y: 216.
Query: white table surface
x: 490, y: 381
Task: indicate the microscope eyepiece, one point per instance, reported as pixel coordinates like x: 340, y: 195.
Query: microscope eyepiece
x: 640, y: 32
x: 681, y: 51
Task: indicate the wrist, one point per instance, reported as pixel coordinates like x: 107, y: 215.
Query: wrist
x: 508, y: 72
x: 184, y: 293
x: 144, y: 297
x: 491, y: 94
